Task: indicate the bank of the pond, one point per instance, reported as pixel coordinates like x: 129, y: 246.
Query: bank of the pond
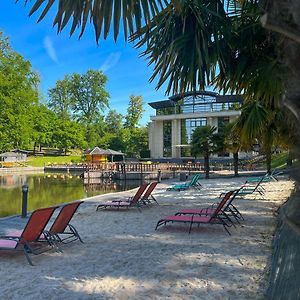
x: 51, y: 189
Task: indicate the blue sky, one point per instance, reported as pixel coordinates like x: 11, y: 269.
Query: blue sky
x: 52, y: 56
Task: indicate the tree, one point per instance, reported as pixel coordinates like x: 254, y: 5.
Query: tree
x: 60, y: 98
x: 113, y: 121
x: 204, y: 142
x: 88, y: 95
x: 68, y: 134
x: 134, y: 112
x: 44, y: 122
x: 18, y: 94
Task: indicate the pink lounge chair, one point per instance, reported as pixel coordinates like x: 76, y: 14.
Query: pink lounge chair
x: 61, y: 230
x: 28, y: 240
x: 133, y: 202
x: 148, y: 197
x: 215, y: 218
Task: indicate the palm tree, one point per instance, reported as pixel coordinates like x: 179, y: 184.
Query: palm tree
x: 232, y: 144
x: 204, y: 143
x: 259, y: 122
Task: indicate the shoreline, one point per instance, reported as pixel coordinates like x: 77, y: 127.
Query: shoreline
x: 123, y: 257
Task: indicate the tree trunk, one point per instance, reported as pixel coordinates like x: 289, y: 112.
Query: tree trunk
x: 206, y: 165
x: 236, y: 163
x: 34, y: 146
x: 269, y: 160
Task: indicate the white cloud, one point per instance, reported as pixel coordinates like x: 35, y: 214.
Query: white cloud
x: 50, y: 49
x: 111, y: 61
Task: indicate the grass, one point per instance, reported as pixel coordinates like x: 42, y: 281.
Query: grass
x: 41, y: 161
x: 279, y: 160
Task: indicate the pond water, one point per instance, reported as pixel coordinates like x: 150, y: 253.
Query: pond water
x: 51, y: 189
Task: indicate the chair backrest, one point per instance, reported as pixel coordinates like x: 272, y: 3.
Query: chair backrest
x: 194, y: 179
x: 64, y: 217
x: 36, y: 224
x: 258, y: 184
x: 233, y: 195
x: 150, y: 189
x: 222, y: 203
x: 139, y: 193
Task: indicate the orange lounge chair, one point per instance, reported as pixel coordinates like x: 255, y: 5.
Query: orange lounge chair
x: 215, y: 218
x: 130, y: 202
x: 61, y: 230
x: 29, y: 239
x: 148, y: 197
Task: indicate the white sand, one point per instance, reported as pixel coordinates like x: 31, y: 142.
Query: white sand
x: 125, y: 258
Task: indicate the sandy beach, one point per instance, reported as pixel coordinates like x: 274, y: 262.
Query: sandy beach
x: 123, y: 257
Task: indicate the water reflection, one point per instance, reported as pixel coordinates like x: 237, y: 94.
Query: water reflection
x: 50, y: 189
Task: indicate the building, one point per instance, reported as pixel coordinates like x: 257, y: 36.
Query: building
x: 98, y: 155
x: 13, y: 157
x: 171, y: 129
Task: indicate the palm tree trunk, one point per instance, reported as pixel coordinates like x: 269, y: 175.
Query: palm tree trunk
x: 236, y: 163
x: 206, y: 165
x: 268, y: 159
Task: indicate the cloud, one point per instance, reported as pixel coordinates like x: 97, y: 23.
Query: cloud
x: 111, y: 61
x: 50, y: 49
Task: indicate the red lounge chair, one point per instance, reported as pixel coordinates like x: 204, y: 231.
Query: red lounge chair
x: 148, y: 197
x: 228, y: 208
x: 216, y: 218
x: 61, y: 230
x: 133, y: 202
x: 28, y: 240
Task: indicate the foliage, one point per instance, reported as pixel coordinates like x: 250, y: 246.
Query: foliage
x: 101, y: 13
x: 205, y: 142
x: 134, y: 112
x: 113, y: 121
x: 18, y: 94
x: 60, y: 98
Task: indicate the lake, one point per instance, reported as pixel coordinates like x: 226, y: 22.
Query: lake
x: 51, y: 189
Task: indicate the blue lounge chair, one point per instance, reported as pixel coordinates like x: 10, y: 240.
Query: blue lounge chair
x: 194, y: 183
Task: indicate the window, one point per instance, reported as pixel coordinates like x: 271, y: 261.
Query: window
x: 167, y: 138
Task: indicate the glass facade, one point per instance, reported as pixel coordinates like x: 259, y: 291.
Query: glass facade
x: 167, y: 138
x: 198, y: 103
x: 187, y: 128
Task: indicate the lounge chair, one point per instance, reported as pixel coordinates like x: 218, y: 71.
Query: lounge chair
x: 148, y: 198
x: 194, y: 183
x: 228, y: 208
x: 215, y: 218
x: 134, y: 201
x: 61, y: 230
x: 248, y: 189
x: 29, y: 239
x: 266, y: 178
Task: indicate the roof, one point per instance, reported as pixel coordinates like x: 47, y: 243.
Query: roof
x: 188, y: 94
x: 229, y: 98
x: 10, y: 154
x: 162, y: 104
x: 173, y: 99
x: 101, y: 151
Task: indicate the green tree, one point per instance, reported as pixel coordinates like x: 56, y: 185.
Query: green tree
x: 204, y: 143
x: 232, y: 144
x: 69, y: 134
x: 134, y: 112
x: 114, y: 121
x: 18, y: 94
x: 88, y: 95
x: 60, y: 98
x: 44, y: 122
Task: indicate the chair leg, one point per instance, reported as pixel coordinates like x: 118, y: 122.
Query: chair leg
x: 25, y: 248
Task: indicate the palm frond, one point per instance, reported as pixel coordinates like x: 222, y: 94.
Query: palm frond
x: 102, y: 13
